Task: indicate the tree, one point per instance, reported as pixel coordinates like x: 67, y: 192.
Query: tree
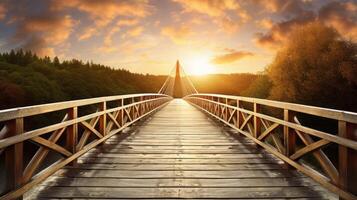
x: 316, y: 67
x: 260, y: 88
x: 56, y: 61
x: 12, y: 95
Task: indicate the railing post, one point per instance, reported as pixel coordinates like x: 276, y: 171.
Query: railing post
x: 103, y: 118
x: 72, y: 133
x: 121, y: 112
x: 239, y: 118
x: 132, y: 109
x: 347, y: 158
x: 141, y: 109
x: 257, y: 124
x: 289, y: 135
x: 227, y: 113
x: 14, y: 156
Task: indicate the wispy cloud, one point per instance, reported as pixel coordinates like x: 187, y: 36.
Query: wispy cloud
x: 340, y: 15
x: 218, y: 10
x: 87, y: 33
x: 230, y: 56
x: 105, y: 11
x: 213, y: 8
x: 179, y: 34
x: 134, y: 32
x: 2, y: 11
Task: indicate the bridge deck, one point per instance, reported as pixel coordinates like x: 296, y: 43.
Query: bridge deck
x: 178, y: 153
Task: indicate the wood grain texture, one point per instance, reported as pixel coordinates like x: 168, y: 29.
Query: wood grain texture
x: 173, y: 156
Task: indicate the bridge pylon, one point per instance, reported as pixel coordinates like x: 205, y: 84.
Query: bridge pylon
x: 177, y: 83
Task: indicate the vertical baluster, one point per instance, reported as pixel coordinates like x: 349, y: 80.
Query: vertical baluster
x: 72, y: 131
x: 257, y: 124
x: 289, y: 135
x: 103, y: 118
x: 347, y: 158
x: 14, y: 156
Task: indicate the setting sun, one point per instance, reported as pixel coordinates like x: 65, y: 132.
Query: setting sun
x: 200, y: 66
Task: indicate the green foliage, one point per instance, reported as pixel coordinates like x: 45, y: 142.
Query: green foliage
x: 260, y: 88
x: 316, y: 67
x: 27, y: 79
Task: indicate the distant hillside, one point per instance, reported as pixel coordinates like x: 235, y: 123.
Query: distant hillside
x: 26, y: 79
x: 232, y: 84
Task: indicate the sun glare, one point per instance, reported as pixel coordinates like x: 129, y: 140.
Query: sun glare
x: 200, y: 66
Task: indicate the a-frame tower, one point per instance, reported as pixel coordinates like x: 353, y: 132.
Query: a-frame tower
x: 177, y: 93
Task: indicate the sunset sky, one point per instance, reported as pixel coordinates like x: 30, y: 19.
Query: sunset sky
x: 148, y: 36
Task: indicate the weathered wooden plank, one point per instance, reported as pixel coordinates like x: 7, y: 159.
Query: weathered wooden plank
x: 106, y: 192
x: 180, y: 160
x: 181, y: 137
x: 106, y: 147
x: 189, y: 167
x: 171, y: 155
x: 178, y: 151
x: 218, y: 183
x: 176, y: 174
x: 154, y: 141
x: 175, y: 143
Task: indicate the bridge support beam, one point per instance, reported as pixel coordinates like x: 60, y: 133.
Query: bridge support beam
x: 347, y: 159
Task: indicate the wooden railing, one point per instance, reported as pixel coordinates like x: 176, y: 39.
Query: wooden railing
x: 274, y: 126
x: 85, y: 124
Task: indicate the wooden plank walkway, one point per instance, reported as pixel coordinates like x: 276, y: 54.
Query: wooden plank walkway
x: 178, y: 153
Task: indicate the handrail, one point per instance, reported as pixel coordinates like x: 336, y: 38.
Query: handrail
x: 263, y: 129
x: 312, y: 110
x: 51, y: 107
x: 77, y: 130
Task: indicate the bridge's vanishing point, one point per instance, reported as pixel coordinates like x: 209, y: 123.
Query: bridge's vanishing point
x: 153, y: 146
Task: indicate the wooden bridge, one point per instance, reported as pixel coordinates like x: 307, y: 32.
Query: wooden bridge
x: 152, y: 146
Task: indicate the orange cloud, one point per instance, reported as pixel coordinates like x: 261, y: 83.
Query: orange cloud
x: 130, y: 46
x: 342, y: 16
x: 87, y: 33
x: 230, y: 56
x: 39, y: 33
x: 136, y: 31
x: 265, y: 23
x: 54, y: 30
x: 179, y: 35
x: 108, y: 40
x: 339, y: 15
x: 213, y: 8
x: 127, y: 22
x: 290, y: 7
x: 104, y: 11
x: 91, y: 31
x: 2, y: 11
x: 228, y: 25
x: 279, y: 32
x: 217, y: 9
